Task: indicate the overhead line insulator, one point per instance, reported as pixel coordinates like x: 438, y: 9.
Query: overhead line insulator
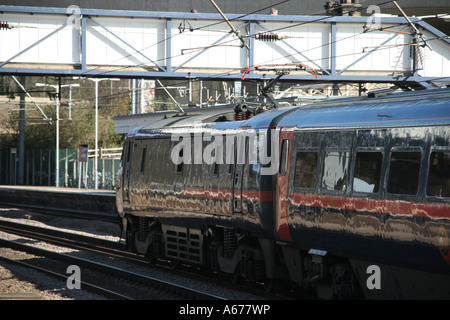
x: 268, y: 36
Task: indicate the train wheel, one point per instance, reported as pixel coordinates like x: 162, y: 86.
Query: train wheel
x: 130, y: 244
x: 149, y: 256
x: 276, y: 285
x: 269, y: 285
x: 174, y: 264
x: 235, y: 276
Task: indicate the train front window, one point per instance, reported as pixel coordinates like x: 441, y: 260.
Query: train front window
x: 335, y: 171
x: 367, y: 172
x: 439, y: 175
x: 305, y: 169
x: 404, y: 172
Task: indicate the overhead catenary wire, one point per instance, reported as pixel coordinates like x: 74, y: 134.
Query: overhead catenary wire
x: 224, y: 73
x: 205, y: 26
x: 218, y: 75
x: 220, y: 44
x: 416, y: 31
x: 175, y: 35
x: 226, y: 42
x: 236, y: 32
x: 316, y: 60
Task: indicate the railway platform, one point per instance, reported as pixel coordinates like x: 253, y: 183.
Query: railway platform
x: 86, y: 201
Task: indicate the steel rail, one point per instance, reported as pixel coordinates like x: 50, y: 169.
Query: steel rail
x: 86, y: 285
x: 151, y: 281
x: 62, y: 212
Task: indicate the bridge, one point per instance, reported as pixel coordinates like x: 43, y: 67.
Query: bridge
x: 71, y: 42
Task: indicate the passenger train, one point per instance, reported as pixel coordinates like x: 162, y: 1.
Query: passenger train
x: 344, y: 198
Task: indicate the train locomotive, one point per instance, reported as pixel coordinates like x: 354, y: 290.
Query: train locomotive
x: 343, y: 198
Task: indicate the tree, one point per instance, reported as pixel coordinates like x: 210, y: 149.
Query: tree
x: 41, y: 134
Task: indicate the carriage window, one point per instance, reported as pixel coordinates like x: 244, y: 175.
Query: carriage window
x: 180, y: 166
x: 439, y: 175
x: 404, y: 172
x: 367, y: 171
x: 305, y: 170
x: 284, y: 156
x: 335, y: 170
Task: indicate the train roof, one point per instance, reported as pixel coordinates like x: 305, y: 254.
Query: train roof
x: 268, y: 119
x: 219, y: 119
x: 428, y: 107
x: 400, y: 108
x: 184, y: 120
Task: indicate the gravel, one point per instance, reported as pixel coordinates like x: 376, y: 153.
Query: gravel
x: 19, y: 280
x: 18, y: 283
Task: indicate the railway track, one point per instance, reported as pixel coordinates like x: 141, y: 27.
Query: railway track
x: 106, y: 274
x: 77, y: 214
x: 73, y: 240
x: 153, y: 288
x: 66, y: 233
x: 141, y: 286
x: 91, y: 287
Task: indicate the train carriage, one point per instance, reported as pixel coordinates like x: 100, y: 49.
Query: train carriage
x: 369, y: 180
x: 176, y: 203
x: 345, y: 192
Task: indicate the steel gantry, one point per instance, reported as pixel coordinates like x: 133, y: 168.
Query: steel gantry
x: 174, y: 45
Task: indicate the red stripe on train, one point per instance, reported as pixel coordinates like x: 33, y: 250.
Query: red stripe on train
x: 227, y: 194
x: 396, y: 207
